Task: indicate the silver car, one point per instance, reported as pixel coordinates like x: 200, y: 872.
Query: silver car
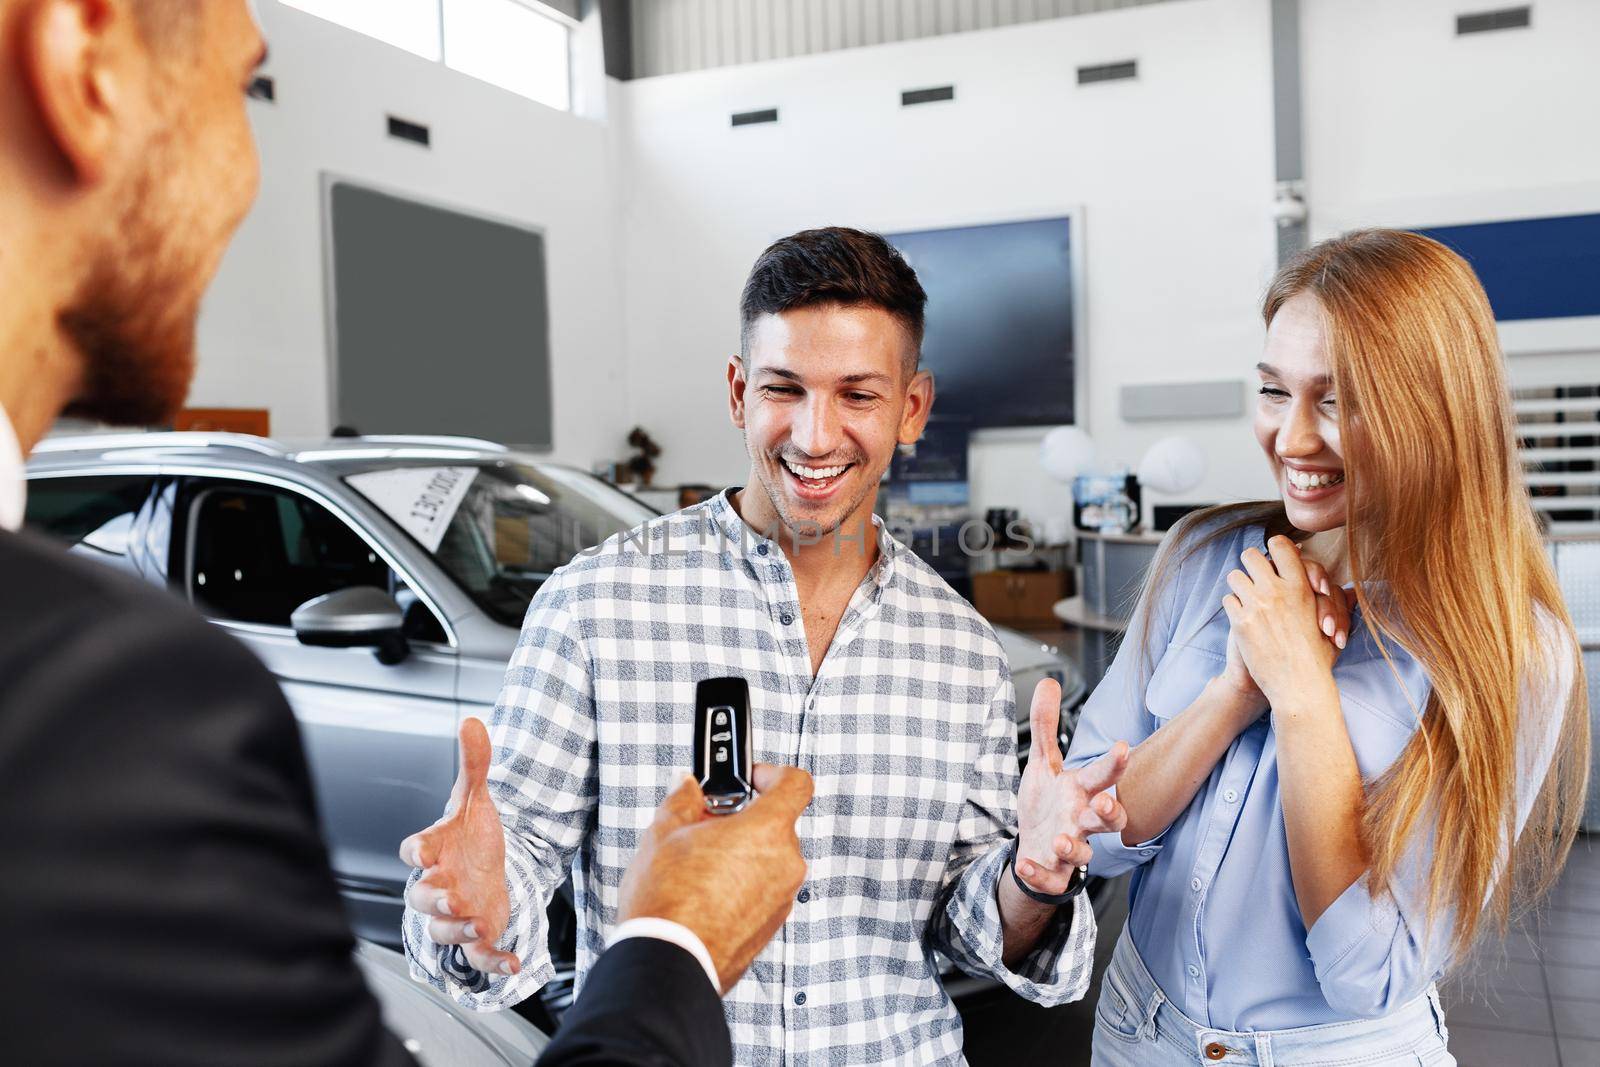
x: 438, y: 1031
x: 383, y: 580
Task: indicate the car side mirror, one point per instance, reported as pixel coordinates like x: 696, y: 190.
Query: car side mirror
x: 362, y: 616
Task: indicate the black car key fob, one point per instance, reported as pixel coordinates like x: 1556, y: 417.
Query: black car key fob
x: 724, y: 758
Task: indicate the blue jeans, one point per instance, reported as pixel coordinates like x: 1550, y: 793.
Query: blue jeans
x: 1136, y: 1026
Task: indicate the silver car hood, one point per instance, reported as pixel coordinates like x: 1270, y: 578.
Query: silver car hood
x: 1026, y: 653
x: 438, y: 1031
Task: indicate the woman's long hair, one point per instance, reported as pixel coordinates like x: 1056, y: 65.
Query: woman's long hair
x: 1439, y: 519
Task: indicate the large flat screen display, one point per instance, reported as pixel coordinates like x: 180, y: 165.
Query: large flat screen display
x: 999, y: 321
x: 441, y: 321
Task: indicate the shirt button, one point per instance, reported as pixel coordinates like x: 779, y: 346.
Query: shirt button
x: 799, y: 998
x: 1195, y: 885
x: 1194, y: 972
x: 1147, y: 852
x: 1231, y: 795
x: 761, y: 550
x: 786, y: 618
x: 805, y: 896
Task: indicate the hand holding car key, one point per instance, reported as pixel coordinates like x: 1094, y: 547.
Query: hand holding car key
x: 724, y: 758
x: 751, y: 863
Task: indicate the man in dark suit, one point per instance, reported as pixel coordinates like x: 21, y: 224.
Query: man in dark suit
x: 167, y: 898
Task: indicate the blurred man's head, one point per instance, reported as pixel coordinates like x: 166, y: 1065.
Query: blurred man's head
x: 826, y: 383
x: 126, y: 158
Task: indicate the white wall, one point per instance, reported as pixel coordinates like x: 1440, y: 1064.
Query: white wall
x: 262, y: 338
x: 654, y: 219
x: 1173, y: 173
x: 1409, y: 125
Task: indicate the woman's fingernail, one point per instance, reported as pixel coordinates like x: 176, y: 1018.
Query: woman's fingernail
x: 505, y: 966
x: 470, y: 932
x: 1027, y: 869
x: 444, y: 907
x: 1339, y: 639
x: 1327, y: 627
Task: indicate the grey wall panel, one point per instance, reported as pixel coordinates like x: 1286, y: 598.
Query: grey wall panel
x: 1183, y: 400
x: 673, y: 36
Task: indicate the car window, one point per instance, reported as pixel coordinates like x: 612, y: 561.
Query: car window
x: 117, y: 519
x: 256, y: 553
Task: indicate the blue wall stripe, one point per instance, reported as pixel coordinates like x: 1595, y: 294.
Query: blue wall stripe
x: 1533, y: 268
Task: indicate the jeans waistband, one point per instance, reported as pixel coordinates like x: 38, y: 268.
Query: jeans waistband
x: 1407, y: 1025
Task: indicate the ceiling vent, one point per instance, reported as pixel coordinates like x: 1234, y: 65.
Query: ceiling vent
x: 1506, y: 18
x: 912, y: 97
x: 1108, y: 72
x: 754, y: 118
x: 409, y: 131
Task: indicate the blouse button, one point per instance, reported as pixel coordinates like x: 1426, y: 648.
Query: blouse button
x: 1231, y: 795
x: 1147, y: 852
x: 1194, y: 972
x: 1195, y: 885
x: 761, y: 550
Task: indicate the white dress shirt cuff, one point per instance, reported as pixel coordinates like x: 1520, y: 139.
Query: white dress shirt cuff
x: 674, y: 933
x: 13, y: 487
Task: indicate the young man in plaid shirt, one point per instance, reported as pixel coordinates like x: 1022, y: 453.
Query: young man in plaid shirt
x: 865, y: 669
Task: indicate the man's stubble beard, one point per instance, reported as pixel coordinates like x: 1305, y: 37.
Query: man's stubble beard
x: 804, y: 527
x: 133, y: 319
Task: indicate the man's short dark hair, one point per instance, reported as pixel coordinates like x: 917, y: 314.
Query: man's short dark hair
x: 835, y: 265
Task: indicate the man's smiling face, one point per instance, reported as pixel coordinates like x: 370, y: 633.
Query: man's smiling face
x: 823, y: 396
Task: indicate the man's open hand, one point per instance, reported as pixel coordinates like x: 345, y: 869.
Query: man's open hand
x: 463, y: 859
x: 1057, y: 809
x: 729, y: 878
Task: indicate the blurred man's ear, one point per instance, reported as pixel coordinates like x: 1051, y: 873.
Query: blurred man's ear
x: 736, y: 384
x: 74, y: 56
x: 919, y: 405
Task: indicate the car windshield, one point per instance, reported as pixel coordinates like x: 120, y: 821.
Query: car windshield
x: 499, y: 528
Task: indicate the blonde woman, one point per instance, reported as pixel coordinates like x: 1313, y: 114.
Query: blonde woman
x: 1320, y: 822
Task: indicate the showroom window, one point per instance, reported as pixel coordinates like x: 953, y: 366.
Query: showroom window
x: 257, y: 553
x: 523, y: 46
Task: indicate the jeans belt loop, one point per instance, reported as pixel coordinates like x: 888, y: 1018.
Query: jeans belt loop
x: 1147, y: 1029
x: 1264, y: 1050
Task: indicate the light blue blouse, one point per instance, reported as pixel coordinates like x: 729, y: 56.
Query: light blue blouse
x: 1213, y: 909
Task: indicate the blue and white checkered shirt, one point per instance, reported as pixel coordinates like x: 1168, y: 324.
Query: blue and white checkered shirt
x: 907, y: 728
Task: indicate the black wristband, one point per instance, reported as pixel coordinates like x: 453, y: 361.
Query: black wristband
x: 456, y: 966
x: 1074, y: 887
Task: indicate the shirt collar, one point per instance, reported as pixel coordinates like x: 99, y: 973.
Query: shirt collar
x: 743, y: 540
x: 13, y: 484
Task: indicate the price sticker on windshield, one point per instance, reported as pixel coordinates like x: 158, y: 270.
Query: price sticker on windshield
x: 422, y: 500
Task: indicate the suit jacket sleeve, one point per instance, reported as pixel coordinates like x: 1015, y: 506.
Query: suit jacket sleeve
x: 167, y: 898
x: 645, y: 1003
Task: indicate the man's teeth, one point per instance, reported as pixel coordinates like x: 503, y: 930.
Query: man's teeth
x: 815, y: 474
x: 1307, y: 480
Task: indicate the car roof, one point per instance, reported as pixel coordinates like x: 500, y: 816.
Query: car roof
x: 258, y: 451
